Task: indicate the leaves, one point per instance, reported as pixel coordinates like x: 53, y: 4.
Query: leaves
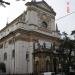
x: 73, y: 32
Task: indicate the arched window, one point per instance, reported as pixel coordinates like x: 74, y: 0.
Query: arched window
x: 2, y: 67
x: 5, y: 56
x: 13, y: 53
x: 36, y: 66
x: 27, y: 55
x: 1, y: 46
x: 44, y: 24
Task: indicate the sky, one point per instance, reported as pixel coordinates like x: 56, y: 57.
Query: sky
x: 66, y: 24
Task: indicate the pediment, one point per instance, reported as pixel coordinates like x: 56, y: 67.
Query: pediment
x: 45, y: 6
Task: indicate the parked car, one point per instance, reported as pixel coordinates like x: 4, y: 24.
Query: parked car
x: 48, y: 73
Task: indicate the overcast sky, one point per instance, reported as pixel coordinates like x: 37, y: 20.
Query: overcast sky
x: 66, y: 24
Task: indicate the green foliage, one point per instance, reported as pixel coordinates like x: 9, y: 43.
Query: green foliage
x: 66, y: 47
x: 73, y: 32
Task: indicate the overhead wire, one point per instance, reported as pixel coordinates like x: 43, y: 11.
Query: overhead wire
x: 65, y: 16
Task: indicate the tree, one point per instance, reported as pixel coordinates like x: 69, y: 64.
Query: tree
x: 65, y: 49
x: 65, y: 34
x: 73, y: 33
x: 2, y: 3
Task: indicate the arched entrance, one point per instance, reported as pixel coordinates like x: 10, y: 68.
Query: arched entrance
x: 47, y: 65
x: 55, y: 64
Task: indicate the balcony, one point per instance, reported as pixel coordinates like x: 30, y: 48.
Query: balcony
x: 41, y: 48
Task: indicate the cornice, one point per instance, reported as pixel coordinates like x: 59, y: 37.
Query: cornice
x: 15, y: 20
x: 29, y: 33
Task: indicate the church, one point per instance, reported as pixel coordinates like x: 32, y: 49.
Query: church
x: 26, y: 44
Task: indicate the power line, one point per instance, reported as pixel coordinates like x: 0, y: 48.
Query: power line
x: 65, y: 16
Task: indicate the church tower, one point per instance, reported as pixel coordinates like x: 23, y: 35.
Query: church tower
x: 43, y: 15
x: 42, y: 20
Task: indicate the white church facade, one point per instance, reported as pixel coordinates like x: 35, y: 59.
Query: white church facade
x: 25, y: 43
